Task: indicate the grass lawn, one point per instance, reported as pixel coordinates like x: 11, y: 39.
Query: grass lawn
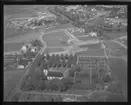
x: 10, y: 80
x: 119, y: 71
x: 95, y: 52
x: 56, y: 39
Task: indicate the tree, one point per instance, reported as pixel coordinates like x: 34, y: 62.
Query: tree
x: 101, y: 72
x: 78, y: 67
x: 62, y: 56
x: 29, y: 84
x: 69, y: 62
x: 64, y: 63
x: 39, y: 64
x: 55, y: 84
x: 115, y: 88
x: 58, y: 63
x: 36, y: 42
x: 72, y: 71
x: 74, y: 59
x: 49, y: 63
x: 39, y: 73
x: 41, y: 85
x: 66, y: 56
x: 47, y: 84
x: 67, y: 82
x: 107, y: 78
x: 47, y: 56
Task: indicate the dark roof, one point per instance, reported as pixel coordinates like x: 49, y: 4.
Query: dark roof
x: 55, y: 74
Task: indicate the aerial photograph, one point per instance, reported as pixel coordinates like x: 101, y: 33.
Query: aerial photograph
x: 65, y: 53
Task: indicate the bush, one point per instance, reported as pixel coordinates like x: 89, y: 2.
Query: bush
x: 55, y: 84
x: 107, y: 78
x: 115, y: 88
x: 16, y: 97
x: 67, y: 83
x: 71, y: 73
x: 83, y: 86
x: 41, y: 85
x: 58, y: 98
x: 28, y: 86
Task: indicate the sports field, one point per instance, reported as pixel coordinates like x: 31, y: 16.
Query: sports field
x: 95, y: 52
x: 119, y: 71
x: 56, y: 39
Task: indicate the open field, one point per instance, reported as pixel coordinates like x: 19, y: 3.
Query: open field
x: 22, y: 11
x: 119, y: 71
x: 120, y: 52
x: 12, y: 47
x: 78, y: 33
x: 114, y: 35
x: 111, y: 45
x: 59, y: 27
x: 86, y: 38
x: 116, y: 49
x: 56, y: 39
x: 51, y: 50
x: 18, y: 11
x: 91, y: 46
x: 97, y: 52
x: 10, y: 80
x: 22, y: 37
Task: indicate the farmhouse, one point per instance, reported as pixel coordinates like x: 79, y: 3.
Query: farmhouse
x: 51, y: 74
x: 56, y: 74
